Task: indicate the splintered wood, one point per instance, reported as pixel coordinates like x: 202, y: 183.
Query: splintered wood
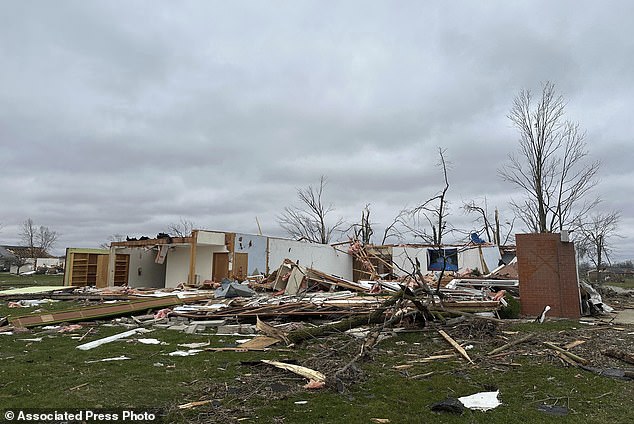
x: 455, y: 345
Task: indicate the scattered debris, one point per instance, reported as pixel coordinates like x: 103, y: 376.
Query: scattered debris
x: 619, y: 354
x: 455, y: 345
x: 451, y: 405
x: 37, y: 339
x: 99, y: 342
x: 311, y: 375
x: 191, y: 405
x: 116, y: 358
x: 482, y: 401
x: 540, y: 319
x: 558, y: 411
x: 566, y: 353
x: 151, y: 341
x: 190, y: 352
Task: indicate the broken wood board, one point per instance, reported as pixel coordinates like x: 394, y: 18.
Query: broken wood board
x: 259, y: 343
x: 35, y: 290
x: 191, y: 405
x: 95, y: 312
x: 455, y: 345
x: 574, y: 344
x: 298, y: 369
x: 271, y: 331
x: 431, y: 358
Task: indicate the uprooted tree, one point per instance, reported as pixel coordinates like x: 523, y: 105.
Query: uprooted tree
x: 551, y: 165
x: 310, y: 221
x: 596, y: 235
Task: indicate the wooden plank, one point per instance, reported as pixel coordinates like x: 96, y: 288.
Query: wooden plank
x: 455, y: 345
x: 191, y: 275
x: 259, y: 343
x: 102, y: 311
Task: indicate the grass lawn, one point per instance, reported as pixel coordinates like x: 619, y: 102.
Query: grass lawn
x: 388, y: 384
x: 626, y: 284
x: 8, y: 281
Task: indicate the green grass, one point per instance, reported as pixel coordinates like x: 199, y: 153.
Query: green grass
x: 8, y: 281
x: 54, y: 374
x: 626, y: 284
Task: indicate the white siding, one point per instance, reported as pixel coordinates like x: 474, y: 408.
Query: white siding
x: 322, y: 257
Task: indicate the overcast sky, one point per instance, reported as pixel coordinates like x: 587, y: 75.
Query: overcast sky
x: 123, y: 117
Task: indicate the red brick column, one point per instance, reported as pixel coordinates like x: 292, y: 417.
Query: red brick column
x: 548, y: 275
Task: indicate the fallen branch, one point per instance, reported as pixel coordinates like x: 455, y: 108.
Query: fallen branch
x: 572, y: 356
x: 511, y: 344
x: 619, y: 354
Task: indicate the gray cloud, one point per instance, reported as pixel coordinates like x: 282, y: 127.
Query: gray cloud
x: 119, y: 117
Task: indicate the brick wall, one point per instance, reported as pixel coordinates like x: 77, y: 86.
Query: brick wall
x: 548, y: 275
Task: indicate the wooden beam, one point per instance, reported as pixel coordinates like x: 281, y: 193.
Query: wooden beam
x: 101, y: 311
x: 191, y: 275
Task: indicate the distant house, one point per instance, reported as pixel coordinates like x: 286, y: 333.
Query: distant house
x: 19, y: 259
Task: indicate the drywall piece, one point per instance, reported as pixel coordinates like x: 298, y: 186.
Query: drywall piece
x: 99, y: 342
x: 295, y: 280
x: 482, y: 401
x: 150, y: 341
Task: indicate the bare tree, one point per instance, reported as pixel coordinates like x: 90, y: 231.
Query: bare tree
x: 395, y: 228
x: 491, y: 227
x: 38, y: 240
x: 182, y: 228
x: 310, y: 220
x: 362, y: 230
x: 596, y: 235
x: 550, y: 166
x: 428, y: 220
x: 112, y: 238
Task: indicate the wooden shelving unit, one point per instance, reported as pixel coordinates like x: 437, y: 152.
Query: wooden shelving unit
x: 121, y: 265
x: 89, y: 267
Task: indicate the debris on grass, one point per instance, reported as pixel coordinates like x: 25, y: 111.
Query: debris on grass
x: 116, y: 358
x: 482, y: 401
x: 99, y: 342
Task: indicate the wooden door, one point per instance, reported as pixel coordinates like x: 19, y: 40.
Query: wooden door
x: 102, y: 271
x: 220, y: 266
x: 240, y: 266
